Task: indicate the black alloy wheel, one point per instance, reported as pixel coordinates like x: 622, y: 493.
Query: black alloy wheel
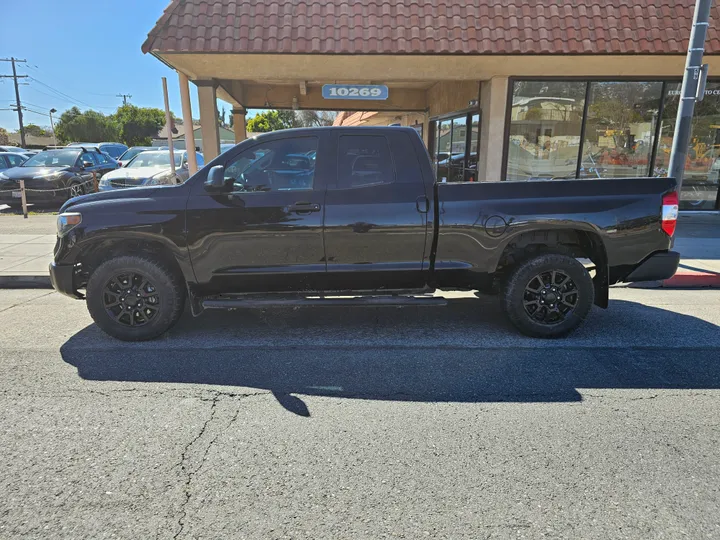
x: 135, y: 297
x: 131, y: 299
x: 550, y: 297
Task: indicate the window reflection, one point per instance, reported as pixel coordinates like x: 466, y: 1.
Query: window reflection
x: 545, y: 124
x: 702, y: 165
x: 620, y: 129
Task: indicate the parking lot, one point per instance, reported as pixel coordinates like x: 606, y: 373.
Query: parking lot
x: 366, y: 423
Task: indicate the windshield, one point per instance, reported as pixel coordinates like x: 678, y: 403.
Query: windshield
x: 53, y: 158
x: 131, y: 153
x: 154, y: 159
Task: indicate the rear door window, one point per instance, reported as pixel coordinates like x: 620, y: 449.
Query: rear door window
x: 364, y: 160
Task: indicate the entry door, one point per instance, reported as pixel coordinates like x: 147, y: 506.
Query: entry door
x: 456, y: 148
x: 266, y: 234
x: 375, y: 219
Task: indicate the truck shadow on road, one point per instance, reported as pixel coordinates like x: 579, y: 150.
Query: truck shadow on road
x: 463, y: 353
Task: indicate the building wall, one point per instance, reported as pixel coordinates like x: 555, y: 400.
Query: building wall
x: 449, y: 96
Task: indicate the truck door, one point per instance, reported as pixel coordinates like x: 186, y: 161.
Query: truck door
x: 265, y: 234
x: 376, y: 213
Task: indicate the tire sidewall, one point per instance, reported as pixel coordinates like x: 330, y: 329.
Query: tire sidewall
x: 168, y: 289
x: 519, y: 279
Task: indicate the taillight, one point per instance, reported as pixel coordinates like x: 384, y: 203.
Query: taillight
x: 670, y: 204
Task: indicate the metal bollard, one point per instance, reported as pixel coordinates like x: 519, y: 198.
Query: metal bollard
x: 23, y: 198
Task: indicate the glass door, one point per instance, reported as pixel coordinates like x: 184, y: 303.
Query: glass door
x: 456, y: 148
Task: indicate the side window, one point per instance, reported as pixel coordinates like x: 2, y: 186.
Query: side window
x: 87, y: 156
x: 15, y: 161
x: 101, y: 159
x: 112, y: 151
x: 3, y: 163
x: 364, y: 160
x: 281, y: 165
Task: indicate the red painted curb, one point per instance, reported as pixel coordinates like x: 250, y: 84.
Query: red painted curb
x: 693, y: 279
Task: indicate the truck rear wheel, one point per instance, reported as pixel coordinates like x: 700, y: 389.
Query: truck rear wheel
x: 135, y: 297
x: 548, y: 296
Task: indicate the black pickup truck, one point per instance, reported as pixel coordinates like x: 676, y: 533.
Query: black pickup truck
x: 354, y: 216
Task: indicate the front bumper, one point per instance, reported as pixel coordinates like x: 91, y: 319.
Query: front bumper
x: 62, y: 277
x: 659, y: 266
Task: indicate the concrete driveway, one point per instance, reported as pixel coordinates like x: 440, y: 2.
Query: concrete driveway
x: 366, y: 423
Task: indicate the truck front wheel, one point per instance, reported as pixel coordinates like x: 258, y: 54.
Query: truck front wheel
x: 135, y: 297
x: 548, y: 296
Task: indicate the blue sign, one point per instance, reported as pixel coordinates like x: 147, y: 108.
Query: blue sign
x: 355, y: 91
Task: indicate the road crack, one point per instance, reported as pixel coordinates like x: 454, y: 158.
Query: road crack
x: 189, y: 472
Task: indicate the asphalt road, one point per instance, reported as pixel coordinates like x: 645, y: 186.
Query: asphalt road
x: 365, y: 423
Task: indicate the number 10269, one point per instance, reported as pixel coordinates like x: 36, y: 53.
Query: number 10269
x: 350, y: 91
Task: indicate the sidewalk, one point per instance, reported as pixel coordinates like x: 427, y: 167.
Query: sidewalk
x: 26, y: 247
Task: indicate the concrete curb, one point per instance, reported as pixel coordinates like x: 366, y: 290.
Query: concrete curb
x: 683, y: 280
x: 25, y: 282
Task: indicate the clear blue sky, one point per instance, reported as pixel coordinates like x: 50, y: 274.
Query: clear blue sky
x: 86, y: 49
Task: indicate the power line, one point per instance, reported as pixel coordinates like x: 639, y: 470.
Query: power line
x: 67, y: 96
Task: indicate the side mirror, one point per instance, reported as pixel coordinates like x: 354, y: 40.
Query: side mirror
x: 87, y: 164
x: 215, y: 179
x: 185, y: 165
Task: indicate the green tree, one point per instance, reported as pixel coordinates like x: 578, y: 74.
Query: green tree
x: 35, y: 130
x: 314, y: 118
x: 271, y: 121
x: 4, y: 137
x: 136, y: 126
x: 88, y: 126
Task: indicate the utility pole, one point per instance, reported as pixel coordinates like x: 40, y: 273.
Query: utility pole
x: 124, y: 97
x: 692, y: 90
x: 15, y: 77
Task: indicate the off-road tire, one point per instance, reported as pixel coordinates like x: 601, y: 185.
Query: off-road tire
x: 520, y: 278
x: 168, y: 284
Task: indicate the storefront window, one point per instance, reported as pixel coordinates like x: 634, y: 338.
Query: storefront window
x: 620, y: 129
x: 545, y: 124
x: 444, y: 144
x: 620, y: 134
x: 702, y: 166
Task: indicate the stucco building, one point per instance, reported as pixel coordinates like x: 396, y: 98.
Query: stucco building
x: 499, y: 90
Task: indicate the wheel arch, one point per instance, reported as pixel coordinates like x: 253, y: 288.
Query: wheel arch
x: 578, y: 242
x: 100, y: 250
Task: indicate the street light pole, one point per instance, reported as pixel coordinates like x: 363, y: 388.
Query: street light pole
x: 692, y: 90
x: 52, y: 126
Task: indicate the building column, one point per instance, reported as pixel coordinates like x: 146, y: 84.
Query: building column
x: 493, y: 104
x: 426, y: 131
x: 209, y: 125
x: 239, y: 126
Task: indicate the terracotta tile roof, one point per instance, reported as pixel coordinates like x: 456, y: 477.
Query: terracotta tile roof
x: 427, y: 27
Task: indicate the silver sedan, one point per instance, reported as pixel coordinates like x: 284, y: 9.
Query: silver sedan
x: 150, y: 168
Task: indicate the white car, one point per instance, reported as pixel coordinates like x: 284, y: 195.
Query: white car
x: 149, y: 168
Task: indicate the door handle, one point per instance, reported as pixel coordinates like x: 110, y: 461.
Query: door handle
x: 422, y: 204
x: 305, y: 207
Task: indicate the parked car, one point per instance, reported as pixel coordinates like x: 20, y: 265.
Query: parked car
x: 368, y: 223
x: 4, y: 148
x: 11, y: 159
x: 130, y: 153
x: 112, y: 149
x: 55, y: 175
x: 149, y: 168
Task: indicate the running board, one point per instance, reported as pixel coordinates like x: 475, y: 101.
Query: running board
x: 238, y: 302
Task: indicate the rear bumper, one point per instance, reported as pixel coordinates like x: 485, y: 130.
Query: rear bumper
x: 62, y: 278
x: 659, y: 266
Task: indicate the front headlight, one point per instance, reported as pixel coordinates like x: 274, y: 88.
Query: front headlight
x: 4, y: 176
x: 48, y: 176
x: 67, y: 221
x: 160, y: 178
x: 104, y: 182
